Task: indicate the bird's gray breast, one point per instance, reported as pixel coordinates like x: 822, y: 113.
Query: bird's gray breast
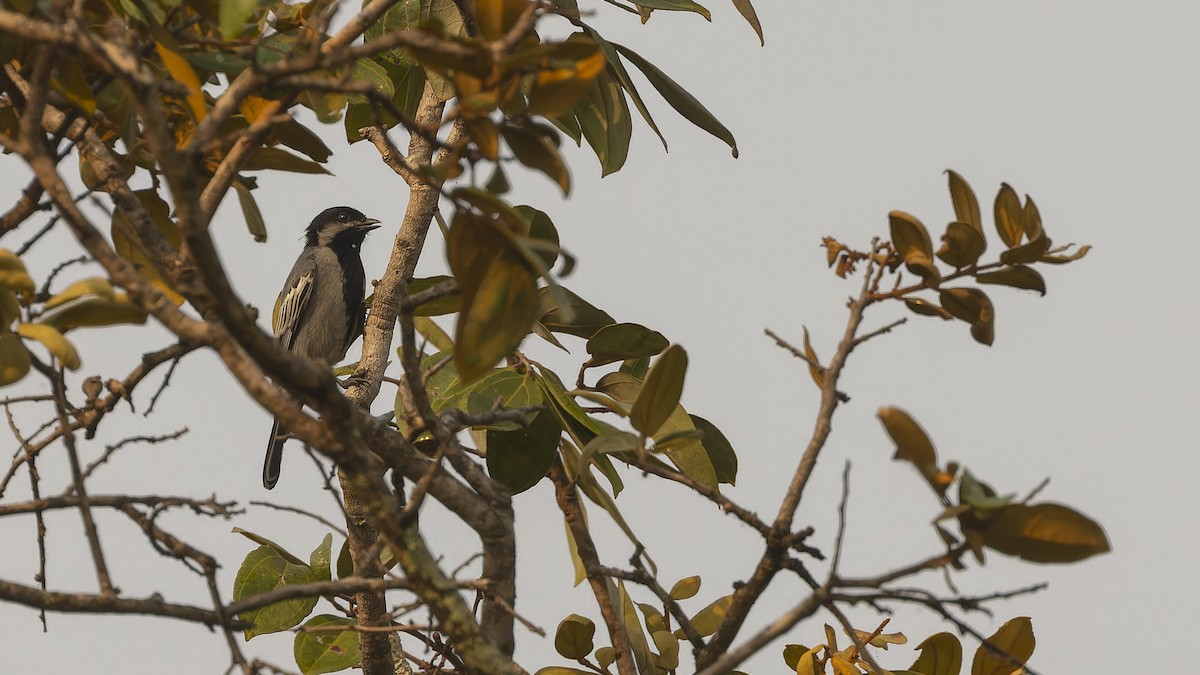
x: 321, y: 335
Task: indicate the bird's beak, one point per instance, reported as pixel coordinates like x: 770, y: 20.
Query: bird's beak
x: 367, y: 224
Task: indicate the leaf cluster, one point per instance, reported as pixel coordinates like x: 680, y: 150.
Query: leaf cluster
x: 1005, y: 652
x: 1044, y: 532
x: 26, y: 315
x: 958, y: 255
x: 656, y: 645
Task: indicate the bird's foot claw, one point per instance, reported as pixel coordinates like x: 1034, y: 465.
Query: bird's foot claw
x: 354, y: 379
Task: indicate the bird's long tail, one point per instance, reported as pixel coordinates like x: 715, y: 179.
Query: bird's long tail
x: 274, y: 455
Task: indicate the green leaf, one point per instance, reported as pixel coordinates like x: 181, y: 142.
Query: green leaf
x: 235, y: 14
x: 562, y: 670
x: 660, y: 391
x: 263, y: 570
x: 373, y: 73
x: 326, y: 651
x: 1018, y: 276
x: 408, y: 83
x: 667, y: 645
x: 299, y: 137
x: 574, y: 420
x: 633, y: 627
x: 535, y: 150
x: 668, y: 649
x: 447, y: 304
x: 506, y: 387
x: 576, y: 317
x: 622, y: 341
x: 573, y: 637
x: 69, y: 80
x: 1045, y: 533
x: 254, y: 218
x: 499, y: 296
x: 941, y: 654
x: 1016, y: 642
x: 622, y: 75
x: 542, y: 236
x: 720, y: 450
x: 259, y: 539
x: 688, y: 455
x: 747, y: 11
x: 519, y: 459
x: 320, y: 558
x: 685, y: 588
x: 609, y: 441
x: 401, y: 16
x: 604, y: 121
x: 979, y: 495
x: 279, y: 159
x: 679, y: 98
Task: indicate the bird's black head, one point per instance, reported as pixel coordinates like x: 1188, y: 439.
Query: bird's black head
x: 338, y: 227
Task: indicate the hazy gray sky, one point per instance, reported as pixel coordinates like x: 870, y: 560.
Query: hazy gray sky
x: 851, y: 110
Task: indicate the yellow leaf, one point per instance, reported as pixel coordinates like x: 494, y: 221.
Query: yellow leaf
x: 1045, y: 533
x: 497, y: 17
x: 14, y: 359
x: 95, y: 311
x: 808, y: 664
x: 10, y: 309
x: 558, y: 89
x: 252, y: 106
x: 90, y: 286
x: 814, y: 368
x: 129, y: 246
x: 13, y: 274
x: 843, y: 667
x: 941, y: 654
x: 183, y: 73
x: 707, y: 619
x: 685, y: 588
x: 576, y: 561
x: 913, y: 445
x: 1015, y: 641
x: 59, y: 346
x: 883, y: 639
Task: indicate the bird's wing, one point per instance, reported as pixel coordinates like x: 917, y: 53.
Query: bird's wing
x: 293, y: 299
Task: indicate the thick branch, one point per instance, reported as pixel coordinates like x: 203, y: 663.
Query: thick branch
x: 568, y: 502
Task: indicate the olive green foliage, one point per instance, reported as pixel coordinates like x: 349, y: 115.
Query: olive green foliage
x: 511, y: 96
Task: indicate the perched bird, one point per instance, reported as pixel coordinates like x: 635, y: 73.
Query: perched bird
x: 319, y: 312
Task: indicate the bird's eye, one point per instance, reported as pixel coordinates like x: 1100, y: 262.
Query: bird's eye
x: 343, y: 217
